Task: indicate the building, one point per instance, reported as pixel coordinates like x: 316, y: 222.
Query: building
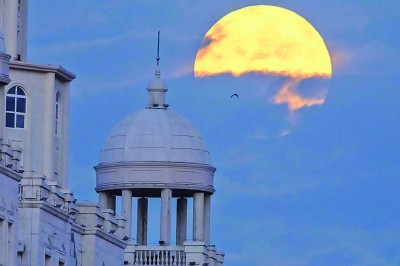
x: 153, y: 153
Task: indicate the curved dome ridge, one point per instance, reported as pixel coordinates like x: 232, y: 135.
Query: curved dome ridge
x: 155, y: 135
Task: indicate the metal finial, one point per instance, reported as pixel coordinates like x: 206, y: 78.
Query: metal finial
x: 158, y: 49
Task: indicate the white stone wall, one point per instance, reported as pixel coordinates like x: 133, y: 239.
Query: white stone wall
x: 43, y: 234
x: 99, y: 251
x: 44, y: 152
x: 50, y: 228
x: 52, y: 231
x: 8, y: 216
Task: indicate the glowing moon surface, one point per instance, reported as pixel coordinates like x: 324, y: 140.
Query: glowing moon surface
x: 266, y: 39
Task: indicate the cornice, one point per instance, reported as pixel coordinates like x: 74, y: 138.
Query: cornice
x: 60, y: 72
x: 154, y: 185
x: 110, y: 238
x: 10, y: 173
x: 155, y: 164
x: 46, y: 207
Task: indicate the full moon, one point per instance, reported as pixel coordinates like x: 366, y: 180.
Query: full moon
x: 264, y: 39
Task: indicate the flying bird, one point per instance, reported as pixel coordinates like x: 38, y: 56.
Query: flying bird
x: 235, y: 94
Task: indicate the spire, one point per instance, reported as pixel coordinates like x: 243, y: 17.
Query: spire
x: 158, y: 71
x: 156, y: 87
x: 158, y: 49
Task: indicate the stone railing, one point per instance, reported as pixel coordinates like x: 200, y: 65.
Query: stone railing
x: 39, y: 189
x: 160, y: 255
x: 190, y: 253
x: 10, y: 156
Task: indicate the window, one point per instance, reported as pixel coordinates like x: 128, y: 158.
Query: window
x: 10, y: 243
x: 47, y: 260
x: 15, y: 107
x: 3, y: 243
x: 57, y: 114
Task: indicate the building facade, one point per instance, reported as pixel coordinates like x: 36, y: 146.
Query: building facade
x: 153, y: 153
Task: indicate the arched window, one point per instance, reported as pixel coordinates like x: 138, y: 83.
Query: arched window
x: 57, y: 113
x: 15, y: 107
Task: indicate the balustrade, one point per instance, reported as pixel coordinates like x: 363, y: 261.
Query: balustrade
x: 159, y: 256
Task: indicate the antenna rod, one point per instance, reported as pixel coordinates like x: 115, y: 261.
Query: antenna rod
x: 158, y: 49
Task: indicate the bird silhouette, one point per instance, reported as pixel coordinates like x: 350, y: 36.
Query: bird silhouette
x: 235, y: 94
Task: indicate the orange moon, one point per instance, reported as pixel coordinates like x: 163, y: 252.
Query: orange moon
x: 264, y: 39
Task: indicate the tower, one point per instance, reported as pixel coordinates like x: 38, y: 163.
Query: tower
x: 36, y: 101
x: 14, y: 26
x: 9, y: 180
x: 156, y: 153
x: 41, y: 223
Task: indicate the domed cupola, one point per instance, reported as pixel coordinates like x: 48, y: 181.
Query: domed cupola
x: 153, y: 149
x: 156, y: 153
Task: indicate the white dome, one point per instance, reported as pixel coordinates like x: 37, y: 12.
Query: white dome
x: 155, y: 149
x: 154, y: 135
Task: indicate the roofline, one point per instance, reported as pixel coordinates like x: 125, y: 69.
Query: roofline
x: 60, y: 72
x: 10, y: 173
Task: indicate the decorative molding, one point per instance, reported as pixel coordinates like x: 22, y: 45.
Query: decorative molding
x: 45, y: 206
x: 148, y: 185
x: 10, y: 173
x: 60, y: 72
x: 196, y: 166
x: 108, y: 237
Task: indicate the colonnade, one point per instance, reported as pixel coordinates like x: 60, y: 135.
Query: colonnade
x: 201, y: 216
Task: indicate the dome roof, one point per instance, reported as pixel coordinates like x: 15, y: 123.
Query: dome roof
x: 154, y: 149
x: 154, y: 135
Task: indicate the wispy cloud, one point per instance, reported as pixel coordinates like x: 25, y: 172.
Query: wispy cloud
x: 290, y: 96
x: 83, y: 44
x: 284, y: 133
x: 369, y: 58
x: 88, y: 87
x: 260, y: 135
x: 179, y: 71
x: 269, y: 187
x: 263, y: 135
x: 340, y: 58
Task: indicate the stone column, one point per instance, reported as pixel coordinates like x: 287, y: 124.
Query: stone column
x: 141, y: 232
x: 181, y: 221
x: 207, y: 218
x: 198, y: 216
x: 103, y: 200
x: 165, y: 220
x: 127, y: 211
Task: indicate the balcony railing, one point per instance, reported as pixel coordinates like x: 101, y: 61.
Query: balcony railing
x: 162, y: 255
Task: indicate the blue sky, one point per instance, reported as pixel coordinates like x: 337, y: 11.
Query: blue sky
x: 324, y: 194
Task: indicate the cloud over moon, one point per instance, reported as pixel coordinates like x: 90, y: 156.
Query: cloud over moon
x: 290, y: 96
x: 269, y: 40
